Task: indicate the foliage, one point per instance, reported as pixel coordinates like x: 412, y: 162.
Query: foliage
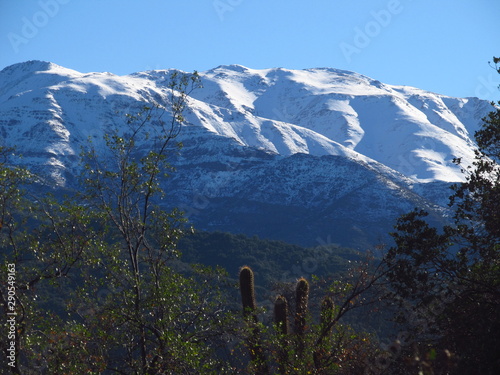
x: 448, y: 283
x: 42, y: 243
x: 272, y: 261
x: 312, y: 347
x: 110, y: 254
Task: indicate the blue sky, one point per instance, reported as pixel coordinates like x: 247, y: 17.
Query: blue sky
x: 438, y: 45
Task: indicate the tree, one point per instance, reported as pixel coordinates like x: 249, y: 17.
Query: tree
x: 122, y: 304
x: 151, y: 319
x: 448, y: 281
x: 42, y: 242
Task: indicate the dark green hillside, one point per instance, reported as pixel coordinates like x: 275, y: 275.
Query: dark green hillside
x: 272, y: 261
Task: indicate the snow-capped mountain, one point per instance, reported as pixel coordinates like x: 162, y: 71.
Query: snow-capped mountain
x: 302, y: 155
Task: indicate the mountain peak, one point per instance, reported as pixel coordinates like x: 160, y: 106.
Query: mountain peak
x: 30, y: 75
x: 35, y: 66
x: 235, y: 67
x: 29, y: 66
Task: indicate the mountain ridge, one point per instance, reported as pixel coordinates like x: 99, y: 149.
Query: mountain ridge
x: 285, y: 141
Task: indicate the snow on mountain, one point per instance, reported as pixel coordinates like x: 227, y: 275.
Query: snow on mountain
x: 332, y: 112
x: 248, y: 128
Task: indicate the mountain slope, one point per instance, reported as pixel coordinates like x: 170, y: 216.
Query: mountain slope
x: 403, y: 128
x: 295, y: 155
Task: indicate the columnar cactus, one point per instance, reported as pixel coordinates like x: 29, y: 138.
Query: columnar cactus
x: 301, y: 301
x: 327, y: 311
x: 249, y: 312
x: 281, y: 314
x: 287, y: 344
x: 247, y: 291
x: 326, y: 325
x: 281, y: 320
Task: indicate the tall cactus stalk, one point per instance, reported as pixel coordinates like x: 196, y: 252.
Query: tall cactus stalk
x: 281, y: 314
x: 281, y: 321
x: 247, y: 290
x: 326, y: 327
x: 249, y: 312
x: 327, y: 311
x: 301, y: 302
